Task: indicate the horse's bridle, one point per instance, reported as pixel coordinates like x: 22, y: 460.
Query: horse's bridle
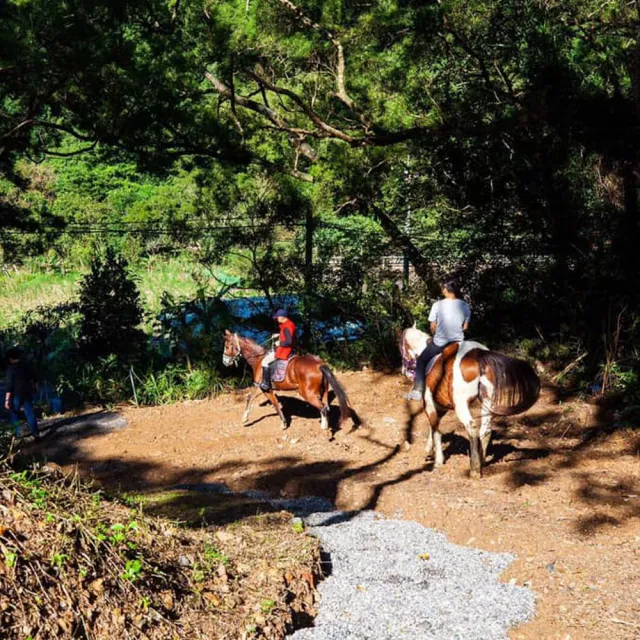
x: 229, y: 360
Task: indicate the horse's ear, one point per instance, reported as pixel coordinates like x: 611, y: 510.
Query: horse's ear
x: 227, y: 332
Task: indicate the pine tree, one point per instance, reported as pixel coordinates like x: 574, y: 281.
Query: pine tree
x: 111, y: 310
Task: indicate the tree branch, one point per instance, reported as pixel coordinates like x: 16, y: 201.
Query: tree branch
x: 308, y: 111
x: 341, y: 92
x: 262, y: 109
x: 67, y: 154
x: 24, y: 123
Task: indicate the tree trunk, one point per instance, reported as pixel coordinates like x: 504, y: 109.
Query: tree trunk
x: 423, y: 269
x: 629, y: 233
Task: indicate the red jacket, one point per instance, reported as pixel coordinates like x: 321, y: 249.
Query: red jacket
x: 287, y: 340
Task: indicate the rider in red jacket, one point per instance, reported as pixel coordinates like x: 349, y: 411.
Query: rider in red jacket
x: 286, y: 343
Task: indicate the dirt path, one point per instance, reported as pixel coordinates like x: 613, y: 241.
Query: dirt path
x: 562, y: 492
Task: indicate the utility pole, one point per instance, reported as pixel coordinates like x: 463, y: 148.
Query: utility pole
x: 308, y: 271
x: 407, y: 228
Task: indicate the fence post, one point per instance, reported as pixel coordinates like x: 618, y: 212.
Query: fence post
x: 133, y: 386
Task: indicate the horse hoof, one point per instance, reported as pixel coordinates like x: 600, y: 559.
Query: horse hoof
x: 475, y: 475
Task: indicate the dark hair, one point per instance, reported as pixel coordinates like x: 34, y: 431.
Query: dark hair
x: 452, y: 286
x: 15, y: 353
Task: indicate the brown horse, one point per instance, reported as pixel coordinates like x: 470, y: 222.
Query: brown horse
x: 463, y: 373
x: 308, y: 375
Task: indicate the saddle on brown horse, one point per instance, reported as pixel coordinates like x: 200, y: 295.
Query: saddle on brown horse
x: 279, y: 369
x: 307, y: 374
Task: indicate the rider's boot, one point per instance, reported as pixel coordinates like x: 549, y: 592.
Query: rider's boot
x: 417, y: 393
x: 265, y: 385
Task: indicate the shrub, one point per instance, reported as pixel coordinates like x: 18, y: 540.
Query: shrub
x: 111, y: 310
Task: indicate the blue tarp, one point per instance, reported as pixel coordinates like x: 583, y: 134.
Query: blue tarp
x: 244, y: 310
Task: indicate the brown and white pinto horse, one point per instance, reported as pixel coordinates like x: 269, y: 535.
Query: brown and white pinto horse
x: 306, y: 374
x: 464, y: 372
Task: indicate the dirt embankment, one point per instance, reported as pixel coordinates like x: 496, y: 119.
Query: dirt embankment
x: 75, y: 565
x: 561, y: 492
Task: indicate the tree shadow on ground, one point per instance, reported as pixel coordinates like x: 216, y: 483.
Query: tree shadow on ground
x: 294, y: 407
x: 520, y: 453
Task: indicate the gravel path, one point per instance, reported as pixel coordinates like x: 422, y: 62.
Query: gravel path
x: 391, y: 579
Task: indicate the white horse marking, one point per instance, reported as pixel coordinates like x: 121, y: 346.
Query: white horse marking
x: 487, y: 387
x: 414, y: 342
x: 431, y: 411
x: 324, y: 420
x: 465, y: 392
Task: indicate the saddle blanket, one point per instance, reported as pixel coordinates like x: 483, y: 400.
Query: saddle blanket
x: 409, y: 366
x: 279, y: 369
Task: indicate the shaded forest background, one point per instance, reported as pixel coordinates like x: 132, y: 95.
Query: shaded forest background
x: 269, y: 147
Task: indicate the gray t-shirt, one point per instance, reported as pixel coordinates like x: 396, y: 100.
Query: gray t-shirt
x: 450, y: 316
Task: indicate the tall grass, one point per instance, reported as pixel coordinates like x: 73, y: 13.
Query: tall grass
x: 108, y: 382
x: 176, y: 383
x: 25, y: 289
x: 37, y: 284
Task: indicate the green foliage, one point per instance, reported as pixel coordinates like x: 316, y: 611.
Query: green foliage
x: 111, y: 310
x: 10, y: 557
x: 207, y: 562
x: 192, y: 328
x: 133, y: 570
x: 267, y: 606
x: 175, y: 383
x: 493, y: 140
x: 35, y: 491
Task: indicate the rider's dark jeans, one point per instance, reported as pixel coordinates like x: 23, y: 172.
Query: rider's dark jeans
x: 431, y: 351
x: 27, y: 405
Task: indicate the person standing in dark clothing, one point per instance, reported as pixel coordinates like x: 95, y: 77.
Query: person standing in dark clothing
x: 22, y: 383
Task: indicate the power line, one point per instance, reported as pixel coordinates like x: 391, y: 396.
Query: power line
x: 166, y: 229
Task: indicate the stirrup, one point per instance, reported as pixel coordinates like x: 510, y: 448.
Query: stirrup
x: 415, y: 394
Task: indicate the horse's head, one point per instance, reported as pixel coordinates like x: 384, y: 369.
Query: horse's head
x: 232, y: 351
x: 414, y: 342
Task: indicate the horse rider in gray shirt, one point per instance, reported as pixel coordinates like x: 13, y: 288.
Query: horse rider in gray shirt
x: 449, y: 320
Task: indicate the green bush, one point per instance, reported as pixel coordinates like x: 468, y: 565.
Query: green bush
x: 175, y: 383
x: 111, y: 310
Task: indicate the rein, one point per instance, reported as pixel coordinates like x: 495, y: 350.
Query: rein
x: 249, y: 357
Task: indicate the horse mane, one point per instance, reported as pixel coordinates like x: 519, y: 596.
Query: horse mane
x: 253, y: 349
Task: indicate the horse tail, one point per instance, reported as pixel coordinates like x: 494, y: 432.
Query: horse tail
x: 345, y: 410
x: 516, y: 385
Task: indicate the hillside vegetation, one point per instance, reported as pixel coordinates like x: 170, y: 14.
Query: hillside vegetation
x: 74, y: 564
x: 296, y: 145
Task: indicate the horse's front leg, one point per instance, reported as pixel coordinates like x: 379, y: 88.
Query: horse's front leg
x: 434, y: 437
x: 251, y: 396
x: 273, y: 398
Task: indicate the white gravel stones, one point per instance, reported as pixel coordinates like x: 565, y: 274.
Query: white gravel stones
x: 391, y: 579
